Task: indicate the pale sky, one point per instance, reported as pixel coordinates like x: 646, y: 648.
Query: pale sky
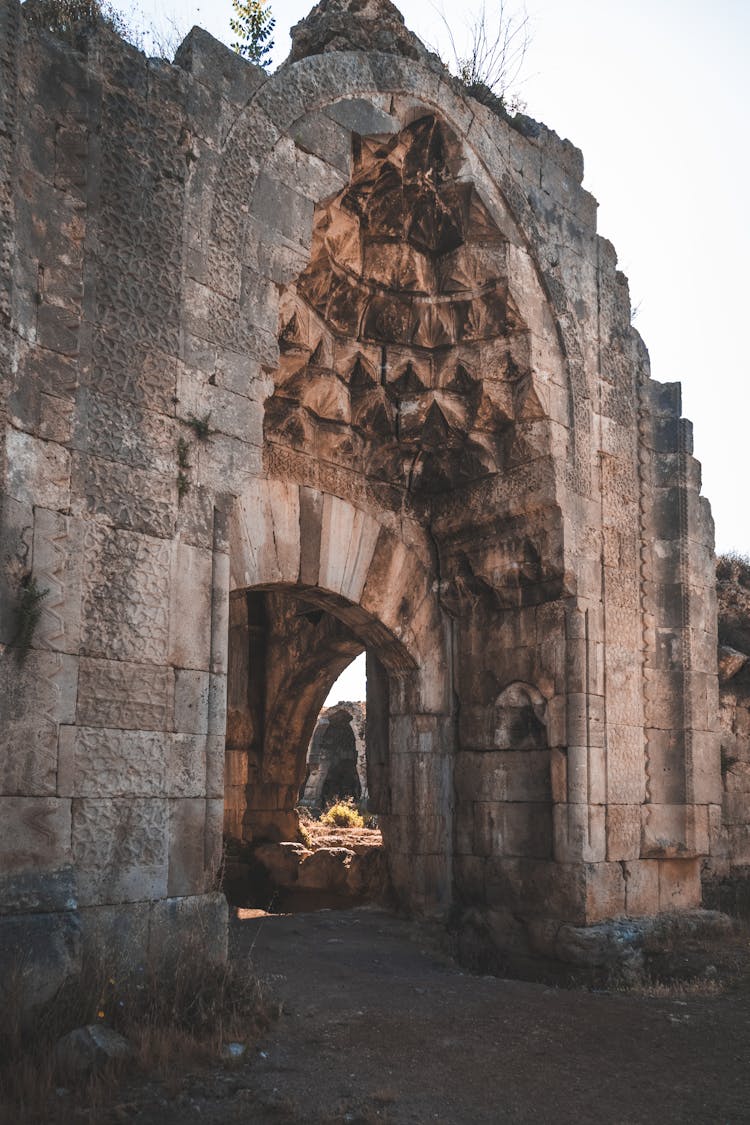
x: 656, y: 93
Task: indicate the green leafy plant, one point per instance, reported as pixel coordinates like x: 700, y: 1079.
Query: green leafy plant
x: 253, y: 24
x: 183, y: 465
x: 200, y: 426
x: 183, y: 451
x: 28, y: 614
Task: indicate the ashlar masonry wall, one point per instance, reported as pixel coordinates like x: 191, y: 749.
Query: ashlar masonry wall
x: 339, y: 334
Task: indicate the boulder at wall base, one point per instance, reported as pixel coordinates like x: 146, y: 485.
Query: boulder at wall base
x: 368, y: 874
x: 326, y: 870
x: 361, y: 873
x: 87, y: 1050
x: 282, y: 861
x: 731, y: 661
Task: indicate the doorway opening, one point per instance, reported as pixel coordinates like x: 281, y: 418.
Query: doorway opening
x: 337, y: 753
x: 305, y: 783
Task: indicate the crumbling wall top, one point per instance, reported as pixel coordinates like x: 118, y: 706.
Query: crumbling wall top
x: 355, y: 25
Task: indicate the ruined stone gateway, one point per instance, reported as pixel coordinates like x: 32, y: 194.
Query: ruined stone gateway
x: 297, y: 366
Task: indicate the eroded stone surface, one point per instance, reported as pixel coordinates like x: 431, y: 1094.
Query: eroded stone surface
x: 294, y: 366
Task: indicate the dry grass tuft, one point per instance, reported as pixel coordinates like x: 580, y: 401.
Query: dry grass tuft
x: 676, y: 990
x: 733, y: 588
x: 176, y: 1017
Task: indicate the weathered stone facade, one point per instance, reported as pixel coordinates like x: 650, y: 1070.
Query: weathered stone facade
x: 727, y: 870
x: 294, y: 366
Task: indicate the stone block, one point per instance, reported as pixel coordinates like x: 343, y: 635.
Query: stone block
x: 34, y: 834
x: 623, y: 832
x: 224, y: 72
x: 283, y: 209
x: 626, y: 778
x: 16, y: 558
x: 190, y: 607
x: 191, y: 697
x: 674, y: 831
x: 228, y: 412
x: 37, y: 472
x: 294, y: 167
x: 124, y: 496
x: 120, y: 849
x: 641, y: 886
x: 327, y: 868
x: 117, y: 937
x: 338, y: 520
x: 38, y: 696
x: 557, y: 723
x: 558, y: 776
x: 579, y: 833
x: 187, y: 861
x: 38, y: 954
x: 585, y: 718
x: 526, y: 830
x: 679, y: 884
x: 705, y: 771
x: 34, y: 891
x: 214, y: 840
x: 126, y: 596
x: 58, y: 329
x: 504, y: 776
x: 364, y: 536
x: 236, y: 771
x: 105, y: 762
x: 266, y: 534
x: 605, y: 891
x: 194, y: 927
x: 468, y: 872
x: 532, y: 887
x: 665, y: 765
x: 426, y: 879
x: 117, y: 694
x: 358, y: 115
x: 186, y: 766
x: 319, y: 134
x: 58, y: 546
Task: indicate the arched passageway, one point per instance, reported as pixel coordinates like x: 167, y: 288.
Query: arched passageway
x: 365, y: 590
x: 405, y: 431
x: 286, y: 651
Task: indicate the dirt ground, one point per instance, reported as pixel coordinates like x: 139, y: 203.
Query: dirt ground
x: 379, y: 1025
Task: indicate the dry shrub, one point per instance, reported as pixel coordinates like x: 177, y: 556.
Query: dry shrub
x: 733, y: 588
x: 343, y: 814
x: 175, y: 1015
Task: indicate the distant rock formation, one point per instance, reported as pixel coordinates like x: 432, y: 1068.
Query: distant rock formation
x: 336, y: 761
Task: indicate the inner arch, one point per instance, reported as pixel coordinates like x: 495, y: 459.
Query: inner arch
x: 403, y: 354
x: 287, y: 646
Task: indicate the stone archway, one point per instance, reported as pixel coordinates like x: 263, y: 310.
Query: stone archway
x: 408, y: 382
x: 309, y: 594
